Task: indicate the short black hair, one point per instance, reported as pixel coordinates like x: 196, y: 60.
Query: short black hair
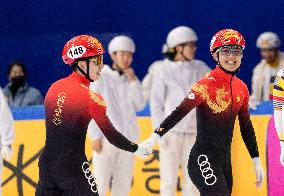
x: 19, y: 63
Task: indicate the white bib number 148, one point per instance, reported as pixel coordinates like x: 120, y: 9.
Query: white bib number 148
x: 76, y: 52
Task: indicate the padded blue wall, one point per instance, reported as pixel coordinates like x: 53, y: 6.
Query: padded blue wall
x: 35, y: 31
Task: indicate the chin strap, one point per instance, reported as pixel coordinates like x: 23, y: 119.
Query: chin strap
x: 87, y: 75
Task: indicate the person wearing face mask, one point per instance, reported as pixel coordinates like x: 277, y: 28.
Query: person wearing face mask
x: 17, y: 91
x: 69, y: 107
x: 171, y: 82
x: 219, y: 98
x: 265, y: 71
x: 122, y: 91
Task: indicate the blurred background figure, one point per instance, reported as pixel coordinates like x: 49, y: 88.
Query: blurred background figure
x: 170, y: 85
x: 148, y: 79
x: 265, y: 71
x: 123, y: 95
x: 17, y: 91
x: 6, y: 133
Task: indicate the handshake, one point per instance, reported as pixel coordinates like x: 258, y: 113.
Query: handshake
x: 146, y: 147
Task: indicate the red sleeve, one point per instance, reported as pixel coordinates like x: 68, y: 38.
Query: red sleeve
x: 97, y: 110
x: 193, y: 99
x: 247, y: 130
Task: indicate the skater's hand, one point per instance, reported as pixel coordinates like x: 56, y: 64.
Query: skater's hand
x: 6, y: 152
x: 152, y: 140
x: 143, y: 150
x: 258, y: 171
x: 97, y: 145
x: 282, y: 153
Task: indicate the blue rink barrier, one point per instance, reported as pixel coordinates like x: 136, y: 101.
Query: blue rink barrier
x: 37, y: 112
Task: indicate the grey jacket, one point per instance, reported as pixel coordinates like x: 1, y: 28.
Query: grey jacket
x: 25, y: 96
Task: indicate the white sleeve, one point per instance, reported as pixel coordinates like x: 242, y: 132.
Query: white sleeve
x: 146, y: 86
x: 93, y: 129
x: 256, y: 83
x: 136, y: 94
x: 147, y: 81
x: 157, y: 99
x: 6, y: 122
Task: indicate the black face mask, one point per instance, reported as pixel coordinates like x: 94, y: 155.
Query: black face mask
x: 17, y: 82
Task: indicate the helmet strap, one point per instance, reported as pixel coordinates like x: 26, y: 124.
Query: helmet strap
x: 87, y: 75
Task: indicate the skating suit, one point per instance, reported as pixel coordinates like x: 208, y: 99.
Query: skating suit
x: 219, y: 98
x: 63, y: 166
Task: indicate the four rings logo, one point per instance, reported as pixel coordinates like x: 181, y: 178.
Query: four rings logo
x: 206, y: 170
x: 89, y: 176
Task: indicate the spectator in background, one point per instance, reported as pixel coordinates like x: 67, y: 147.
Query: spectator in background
x: 170, y: 85
x: 17, y: 91
x: 122, y: 92
x: 6, y: 133
x: 265, y: 71
x: 147, y: 81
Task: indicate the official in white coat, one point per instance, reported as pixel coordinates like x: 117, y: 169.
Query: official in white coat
x: 265, y: 71
x: 123, y: 95
x: 169, y: 88
x: 6, y: 132
x: 148, y: 79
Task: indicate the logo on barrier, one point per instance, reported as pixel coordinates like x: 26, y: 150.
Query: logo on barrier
x: 206, y: 170
x: 89, y: 176
x: 151, y: 167
x: 18, y: 170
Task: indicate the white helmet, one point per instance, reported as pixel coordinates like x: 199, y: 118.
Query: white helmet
x: 181, y: 35
x: 121, y: 43
x: 268, y: 40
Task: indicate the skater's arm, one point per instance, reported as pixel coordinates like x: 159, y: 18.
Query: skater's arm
x: 246, y: 128
x: 278, y: 98
x: 97, y: 111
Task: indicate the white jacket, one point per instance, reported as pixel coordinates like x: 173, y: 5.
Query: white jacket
x: 170, y: 86
x: 263, y: 78
x: 148, y: 79
x: 6, y: 122
x: 123, y: 99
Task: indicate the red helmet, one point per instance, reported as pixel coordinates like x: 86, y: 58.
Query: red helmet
x: 227, y: 37
x: 81, y: 46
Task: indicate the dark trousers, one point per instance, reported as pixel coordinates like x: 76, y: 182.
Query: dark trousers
x: 210, y: 170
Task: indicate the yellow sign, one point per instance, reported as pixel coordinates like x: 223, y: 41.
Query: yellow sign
x: 20, y: 175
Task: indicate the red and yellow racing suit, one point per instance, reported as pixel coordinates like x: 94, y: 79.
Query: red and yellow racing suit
x: 219, y: 98
x: 69, y: 107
